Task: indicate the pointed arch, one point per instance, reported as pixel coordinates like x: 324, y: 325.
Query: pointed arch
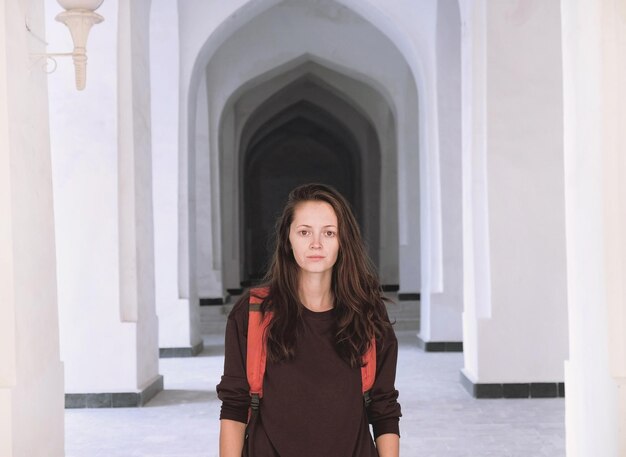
x: 409, y: 138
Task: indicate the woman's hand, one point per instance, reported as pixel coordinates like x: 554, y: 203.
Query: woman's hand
x: 388, y: 445
x: 232, y: 434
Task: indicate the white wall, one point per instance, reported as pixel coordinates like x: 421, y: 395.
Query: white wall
x: 102, y: 197
x: 515, y: 176
x: 31, y: 375
x: 594, y: 45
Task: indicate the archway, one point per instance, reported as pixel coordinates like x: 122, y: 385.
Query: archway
x: 364, y: 122
x: 314, y: 92
x: 385, y: 71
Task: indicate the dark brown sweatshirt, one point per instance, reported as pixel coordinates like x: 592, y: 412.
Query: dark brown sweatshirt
x: 312, y: 405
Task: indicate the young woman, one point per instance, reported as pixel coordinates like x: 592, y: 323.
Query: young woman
x: 326, y: 307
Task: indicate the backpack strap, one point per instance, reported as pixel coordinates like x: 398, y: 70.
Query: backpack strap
x: 368, y: 372
x: 256, y: 357
x: 256, y: 348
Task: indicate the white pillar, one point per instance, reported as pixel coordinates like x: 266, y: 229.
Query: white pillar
x: 187, y: 110
x: 413, y: 204
x: 441, y: 316
x: 178, y: 330
x: 103, y: 207
x: 31, y: 374
x: 594, y: 46
x: 208, y: 235
x: 515, y: 321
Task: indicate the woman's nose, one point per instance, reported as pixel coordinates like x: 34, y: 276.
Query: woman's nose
x: 316, y: 243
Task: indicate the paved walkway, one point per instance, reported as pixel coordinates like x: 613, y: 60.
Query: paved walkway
x: 439, y: 418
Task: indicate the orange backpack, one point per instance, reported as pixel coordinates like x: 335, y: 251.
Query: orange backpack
x: 257, y: 352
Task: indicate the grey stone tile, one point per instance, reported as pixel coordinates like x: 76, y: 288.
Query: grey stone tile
x: 98, y: 400
x: 125, y: 400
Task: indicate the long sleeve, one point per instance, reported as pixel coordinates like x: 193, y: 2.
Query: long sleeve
x: 384, y: 410
x: 233, y: 389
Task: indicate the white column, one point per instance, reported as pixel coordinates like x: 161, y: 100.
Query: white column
x: 31, y: 374
x: 441, y: 316
x: 594, y: 46
x: 103, y: 210
x: 188, y: 106
x: 208, y: 258
x: 476, y: 276
x: 515, y: 321
x: 178, y: 331
x: 136, y: 225
x: 413, y: 205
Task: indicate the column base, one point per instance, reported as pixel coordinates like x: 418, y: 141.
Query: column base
x: 439, y: 346
x: 235, y: 291
x: 191, y: 351
x: 115, y: 399
x: 513, y: 390
x: 215, y: 301
x: 408, y: 296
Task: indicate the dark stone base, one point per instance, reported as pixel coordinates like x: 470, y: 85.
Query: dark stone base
x: 115, y: 399
x: 514, y: 390
x: 235, y: 292
x: 390, y: 287
x: 213, y: 301
x: 407, y: 297
x: 192, y: 351
x: 440, y: 346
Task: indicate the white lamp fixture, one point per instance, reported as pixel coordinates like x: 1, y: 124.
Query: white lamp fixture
x: 79, y: 16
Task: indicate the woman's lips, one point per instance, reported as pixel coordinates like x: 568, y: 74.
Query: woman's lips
x: 315, y: 257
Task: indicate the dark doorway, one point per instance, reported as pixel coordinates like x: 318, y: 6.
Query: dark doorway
x: 303, y: 144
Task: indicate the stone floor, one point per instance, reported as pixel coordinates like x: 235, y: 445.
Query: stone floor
x: 439, y: 417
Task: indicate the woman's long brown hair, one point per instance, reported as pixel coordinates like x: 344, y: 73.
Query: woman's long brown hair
x: 359, y: 305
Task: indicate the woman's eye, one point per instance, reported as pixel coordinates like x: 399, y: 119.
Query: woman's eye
x: 330, y: 233
x: 304, y: 232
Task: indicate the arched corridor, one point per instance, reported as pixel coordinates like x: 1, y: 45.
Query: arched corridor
x: 302, y: 143
x: 479, y: 142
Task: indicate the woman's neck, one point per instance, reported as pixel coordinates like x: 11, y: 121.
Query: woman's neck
x: 314, y: 291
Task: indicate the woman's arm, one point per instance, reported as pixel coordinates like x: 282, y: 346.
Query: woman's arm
x: 233, y: 389
x: 388, y: 445
x: 384, y: 410
x: 231, y: 438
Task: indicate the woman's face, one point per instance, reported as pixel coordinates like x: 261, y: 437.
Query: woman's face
x: 314, y: 236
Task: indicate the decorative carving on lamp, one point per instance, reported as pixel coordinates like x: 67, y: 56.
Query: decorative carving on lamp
x: 79, y: 16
